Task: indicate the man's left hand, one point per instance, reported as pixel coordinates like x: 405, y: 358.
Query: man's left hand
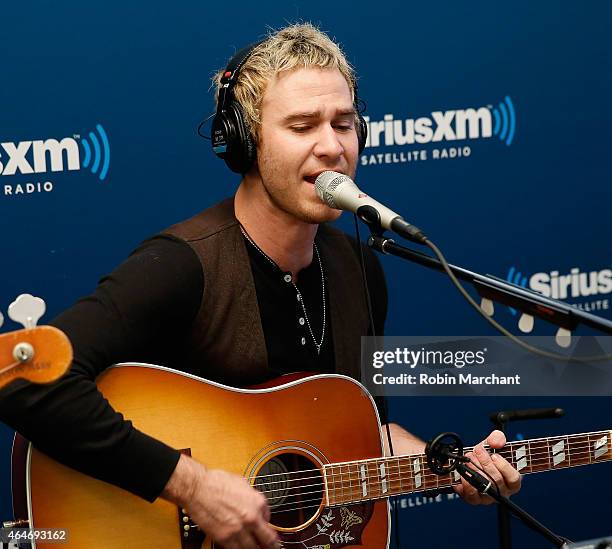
x: 507, y: 477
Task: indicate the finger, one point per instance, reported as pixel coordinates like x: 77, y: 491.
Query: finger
x: 242, y: 540
x: 496, y: 439
x: 266, y: 536
x: 266, y: 513
x: 512, y: 478
x: 489, y: 466
x: 469, y: 492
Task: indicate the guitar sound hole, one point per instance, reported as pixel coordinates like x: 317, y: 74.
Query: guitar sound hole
x: 293, y: 486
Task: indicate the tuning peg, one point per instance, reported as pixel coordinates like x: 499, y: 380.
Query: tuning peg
x: 563, y: 338
x: 27, y: 310
x: 487, y: 306
x: 526, y: 323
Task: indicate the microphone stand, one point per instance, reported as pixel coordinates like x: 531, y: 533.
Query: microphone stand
x: 484, y: 487
x: 488, y: 286
x: 500, y: 421
x: 445, y: 454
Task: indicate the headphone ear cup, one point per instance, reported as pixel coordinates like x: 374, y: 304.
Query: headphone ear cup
x: 362, y: 132
x: 231, y: 139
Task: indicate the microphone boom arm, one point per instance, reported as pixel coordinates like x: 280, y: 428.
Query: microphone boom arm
x: 495, y: 289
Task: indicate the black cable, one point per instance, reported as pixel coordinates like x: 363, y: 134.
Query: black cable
x: 496, y: 324
x: 202, y: 123
x: 384, y: 398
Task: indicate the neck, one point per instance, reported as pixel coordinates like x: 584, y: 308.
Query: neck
x: 369, y: 479
x: 285, y: 239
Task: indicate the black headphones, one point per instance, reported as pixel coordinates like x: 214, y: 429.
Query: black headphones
x: 231, y: 140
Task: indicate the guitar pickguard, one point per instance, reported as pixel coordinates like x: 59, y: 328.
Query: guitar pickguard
x: 336, y: 527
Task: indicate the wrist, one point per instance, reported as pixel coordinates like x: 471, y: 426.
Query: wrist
x: 184, y: 482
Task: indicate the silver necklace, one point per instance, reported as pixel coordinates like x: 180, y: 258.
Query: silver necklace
x: 289, y: 278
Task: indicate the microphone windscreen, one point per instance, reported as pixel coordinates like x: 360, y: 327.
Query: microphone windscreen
x: 325, y: 185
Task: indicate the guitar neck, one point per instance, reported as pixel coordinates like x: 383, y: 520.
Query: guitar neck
x: 370, y: 479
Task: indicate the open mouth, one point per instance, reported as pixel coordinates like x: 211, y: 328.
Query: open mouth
x: 312, y: 178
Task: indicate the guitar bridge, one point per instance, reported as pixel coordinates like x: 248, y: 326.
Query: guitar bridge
x: 191, y: 535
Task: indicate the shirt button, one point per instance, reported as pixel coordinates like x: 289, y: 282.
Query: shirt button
x: 301, y: 321
x: 287, y: 278
x: 303, y: 341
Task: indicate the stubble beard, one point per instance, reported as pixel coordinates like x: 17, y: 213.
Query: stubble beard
x: 289, y: 197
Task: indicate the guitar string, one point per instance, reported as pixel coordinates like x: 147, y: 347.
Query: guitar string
x: 372, y: 482
x: 396, y: 473
x: 347, y: 502
x: 507, y: 448
x: 358, y: 500
x: 283, y: 477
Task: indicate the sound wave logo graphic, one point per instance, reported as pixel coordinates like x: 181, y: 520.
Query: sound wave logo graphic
x: 100, y: 157
x: 505, y: 121
x: 516, y: 277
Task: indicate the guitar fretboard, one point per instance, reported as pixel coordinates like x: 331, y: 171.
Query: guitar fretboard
x: 369, y: 479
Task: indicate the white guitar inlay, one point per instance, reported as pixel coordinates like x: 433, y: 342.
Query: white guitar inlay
x: 418, y: 478
x: 558, y: 453
x: 521, y: 457
x: 601, y: 446
x: 456, y: 475
x: 364, y: 481
x: 383, y: 478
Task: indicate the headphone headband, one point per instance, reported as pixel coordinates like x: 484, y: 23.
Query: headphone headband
x: 231, y: 72
x: 231, y: 139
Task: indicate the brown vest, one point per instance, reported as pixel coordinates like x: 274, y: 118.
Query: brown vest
x: 226, y: 343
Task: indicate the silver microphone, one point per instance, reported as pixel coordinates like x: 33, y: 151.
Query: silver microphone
x: 340, y: 192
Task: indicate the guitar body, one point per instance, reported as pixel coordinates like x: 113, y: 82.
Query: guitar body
x: 279, y: 437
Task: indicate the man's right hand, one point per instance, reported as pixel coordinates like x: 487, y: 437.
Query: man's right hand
x: 223, y: 505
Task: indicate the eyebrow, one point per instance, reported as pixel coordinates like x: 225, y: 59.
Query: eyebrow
x: 316, y: 114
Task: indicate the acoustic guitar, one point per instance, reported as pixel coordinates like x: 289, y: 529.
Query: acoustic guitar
x: 312, y: 446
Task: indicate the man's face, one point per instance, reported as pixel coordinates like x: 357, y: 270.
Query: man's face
x: 307, y: 127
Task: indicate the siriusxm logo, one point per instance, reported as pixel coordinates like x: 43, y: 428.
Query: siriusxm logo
x: 452, y: 125
x: 572, y: 285
x: 51, y: 155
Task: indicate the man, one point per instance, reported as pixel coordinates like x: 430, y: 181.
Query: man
x: 234, y: 295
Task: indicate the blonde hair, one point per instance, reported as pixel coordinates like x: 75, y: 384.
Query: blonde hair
x: 296, y: 46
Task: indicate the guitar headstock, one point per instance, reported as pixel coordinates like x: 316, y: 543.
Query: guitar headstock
x: 39, y: 354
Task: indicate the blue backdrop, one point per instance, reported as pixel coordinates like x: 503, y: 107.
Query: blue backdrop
x: 488, y: 130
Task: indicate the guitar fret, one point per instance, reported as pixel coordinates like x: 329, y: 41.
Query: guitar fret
x: 529, y: 468
x: 342, y: 486
x: 379, y: 484
x: 403, y: 476
x: 400, y: 477
x: 580, y: 450
x: 332, y: 485
x: 337, y: 484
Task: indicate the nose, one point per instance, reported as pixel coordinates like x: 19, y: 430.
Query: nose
x: 328, y: 143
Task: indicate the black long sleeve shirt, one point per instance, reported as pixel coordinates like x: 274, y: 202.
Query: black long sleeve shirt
x: 140, y: 313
